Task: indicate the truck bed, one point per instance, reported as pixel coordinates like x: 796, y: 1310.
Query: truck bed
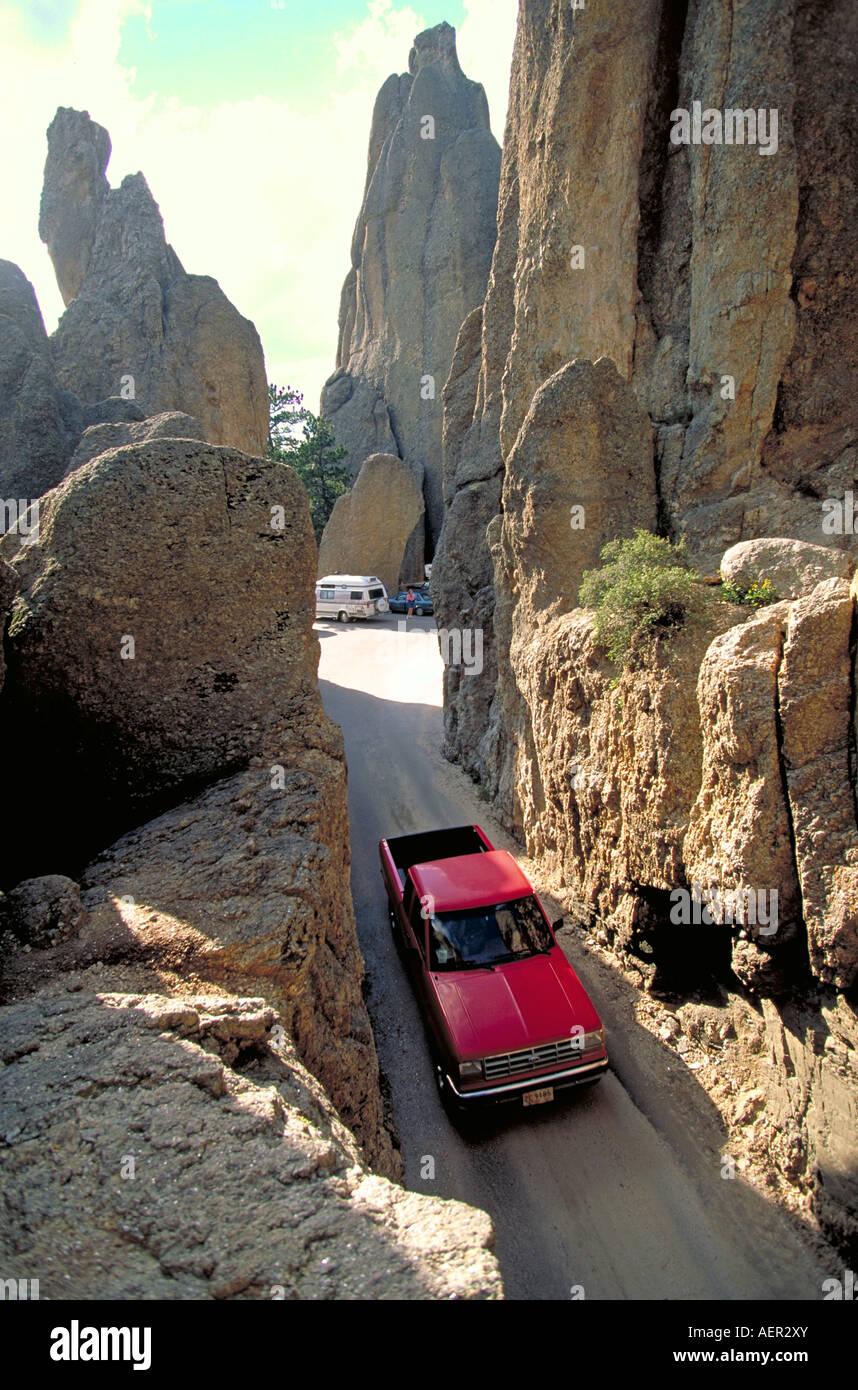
x: 428, y: 845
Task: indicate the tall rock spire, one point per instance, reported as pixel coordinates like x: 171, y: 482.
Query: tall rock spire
x: 134, y: 318
x: 421, y: 253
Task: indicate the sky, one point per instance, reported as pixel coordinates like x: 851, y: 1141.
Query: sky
x: 250, y: 120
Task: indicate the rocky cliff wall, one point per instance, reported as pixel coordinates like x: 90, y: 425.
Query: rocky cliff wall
x: 717, y: 277
x: 665, y: 343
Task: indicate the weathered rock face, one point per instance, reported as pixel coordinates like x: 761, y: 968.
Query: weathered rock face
x: 420, y: 258
x: 754, y: 421
x: 165, y: 603
x: 247, y: 886
x: 132, y: 1124
x: 810, y: 1083
x: 371, y: 527
x: 557, y: 511
x: 133, y: 312
x: 817, y: 703
x: 708, y: 768
x: 39, y: 421
x: 739, y: 831
x: 557, y: 514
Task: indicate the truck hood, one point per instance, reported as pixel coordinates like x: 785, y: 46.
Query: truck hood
x: 514, y: 1006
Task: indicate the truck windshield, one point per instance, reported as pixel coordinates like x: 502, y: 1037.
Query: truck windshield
x: 483, y: 936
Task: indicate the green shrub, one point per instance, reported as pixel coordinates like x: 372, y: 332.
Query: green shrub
x: 645, y: 589
x: 755, y: 594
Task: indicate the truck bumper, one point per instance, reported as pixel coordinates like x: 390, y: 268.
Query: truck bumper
x: 512, y: 1090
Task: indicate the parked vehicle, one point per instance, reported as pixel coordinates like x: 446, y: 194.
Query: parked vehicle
x: 422, y: 602
x: 347, y: 596
x: 507, y: 1016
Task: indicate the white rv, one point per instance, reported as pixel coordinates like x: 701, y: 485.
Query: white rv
x: 347, y: 596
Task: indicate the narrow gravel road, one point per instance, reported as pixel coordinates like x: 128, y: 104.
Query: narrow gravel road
x: 617, y: 1194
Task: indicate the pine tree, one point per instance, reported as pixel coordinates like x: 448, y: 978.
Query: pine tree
x: 306, y: 442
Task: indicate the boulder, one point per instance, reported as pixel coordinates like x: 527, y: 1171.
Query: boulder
x: 558, y: 510
x: 370, y: 527
x: 794, y: 568
x: 136, y: 323
x: 170, y: 595
x: 43, y: 911
x: 420, y: 259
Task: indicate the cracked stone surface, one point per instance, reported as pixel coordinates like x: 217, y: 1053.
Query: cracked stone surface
x: 155, y: 1148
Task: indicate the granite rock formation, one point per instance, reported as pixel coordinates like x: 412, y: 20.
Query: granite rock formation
x: 192, y: 1008
x: 187, y: 1008
x: 719, y: 280
x: 40, y: 422
x: 738, y: 346
x: 420, y: 257
x: 135, y: 321
x: 164, y: 603
x: 377, y: 527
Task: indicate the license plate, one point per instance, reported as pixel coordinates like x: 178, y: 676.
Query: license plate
x: 538, y: 1097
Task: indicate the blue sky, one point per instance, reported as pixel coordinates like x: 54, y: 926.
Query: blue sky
x: 250, y: 120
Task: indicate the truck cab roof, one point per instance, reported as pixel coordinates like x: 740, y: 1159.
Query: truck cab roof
x: 471, y: 880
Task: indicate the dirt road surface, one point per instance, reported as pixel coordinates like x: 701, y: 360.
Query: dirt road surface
x: 616, y: 1194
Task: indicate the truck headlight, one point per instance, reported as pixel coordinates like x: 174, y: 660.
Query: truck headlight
x: 470, y: 1071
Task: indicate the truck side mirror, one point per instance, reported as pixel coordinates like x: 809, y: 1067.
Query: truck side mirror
x: 556, y: 926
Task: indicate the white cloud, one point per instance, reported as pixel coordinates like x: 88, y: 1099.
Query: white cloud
x: 485, y: 41
x: 381, y: 42
x: 36, y: 79
x: 254, y: 193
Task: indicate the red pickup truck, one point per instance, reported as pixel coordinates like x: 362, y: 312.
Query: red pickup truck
x: 508, y: 1018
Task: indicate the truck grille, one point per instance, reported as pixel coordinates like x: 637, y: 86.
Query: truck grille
x: 549, y: 1055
